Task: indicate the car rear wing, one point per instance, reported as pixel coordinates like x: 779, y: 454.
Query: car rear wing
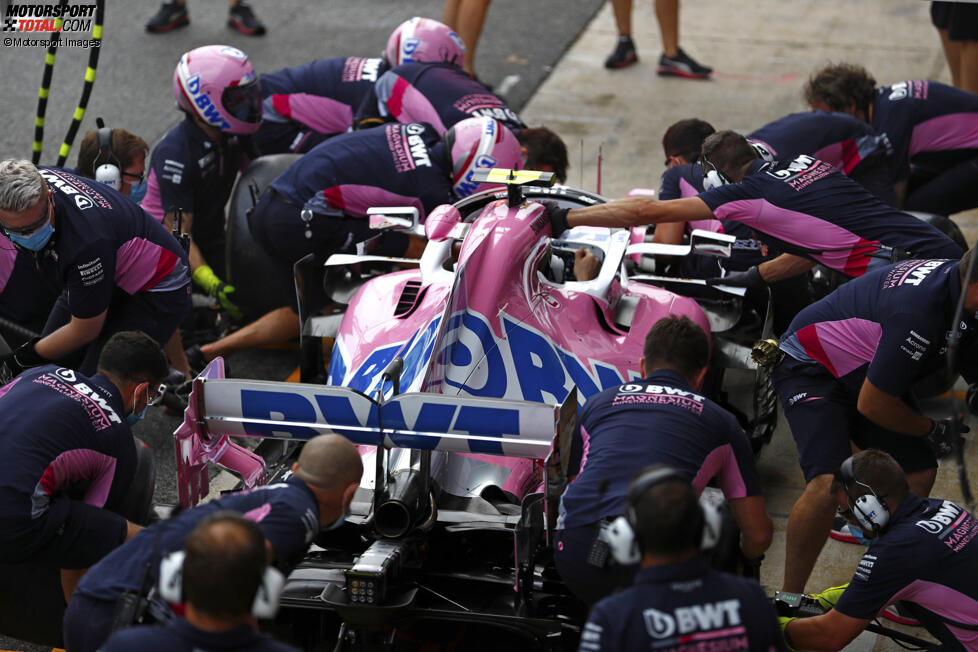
x: 220, y: 408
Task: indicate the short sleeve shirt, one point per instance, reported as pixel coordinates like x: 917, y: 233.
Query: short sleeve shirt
x: 392, y: 165
x: 813, y: 210
x: 440, y: 94
x: 924, y: 116
x: 61, y: 430
x: 684, y: 606
x: 655, y: 420
x: 287, y: 513
x: 178, y: 635
x: 927, y: 555
x: 889, y: 326
x: 103, y: 242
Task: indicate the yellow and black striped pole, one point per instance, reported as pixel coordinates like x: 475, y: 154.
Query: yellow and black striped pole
x: 42, y: 99
x: 76, y: 118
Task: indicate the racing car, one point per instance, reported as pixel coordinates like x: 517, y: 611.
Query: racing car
x: 459, y: 376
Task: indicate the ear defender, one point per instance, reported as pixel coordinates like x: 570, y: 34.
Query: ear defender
x: 868, y: 509
x: 265, y: 604
x: 626, y: 549
x: 106, y: 166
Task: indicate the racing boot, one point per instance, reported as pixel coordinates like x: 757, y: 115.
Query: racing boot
x: 170, y: 16
x: 243, y: 19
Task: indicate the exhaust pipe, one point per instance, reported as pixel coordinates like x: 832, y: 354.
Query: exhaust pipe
x: 404, y: 504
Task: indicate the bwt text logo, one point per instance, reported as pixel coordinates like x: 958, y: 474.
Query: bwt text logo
x: 48, y: 18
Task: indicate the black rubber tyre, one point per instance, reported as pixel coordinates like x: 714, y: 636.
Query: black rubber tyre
x: 249, y: 268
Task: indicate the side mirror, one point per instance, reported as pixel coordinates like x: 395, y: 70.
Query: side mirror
x: 441, y: 222
x: 397, y: 218
x: 708, y: 243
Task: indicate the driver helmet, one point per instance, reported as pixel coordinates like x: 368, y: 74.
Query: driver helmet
x: 424, y: 40
x: 217, y: 84
x: 479, y: 143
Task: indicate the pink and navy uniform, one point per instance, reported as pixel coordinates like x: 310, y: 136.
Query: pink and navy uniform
x: 67, y: 458
x: 926, y: 555
x: 304, y: 105
x: 437, y: 93
x: 107, y: 254
x: 190, y: 172
x: 287, y: 513
x: 686, y: 180
x: 666, y: 610
x: 318, y: 205
x: 933, y: 129
x: 887, y: 327
x: 655, y: 420
x: 850, y: 145
x: 25, y: 298
x: 811, y: 209
x: 178, y: 635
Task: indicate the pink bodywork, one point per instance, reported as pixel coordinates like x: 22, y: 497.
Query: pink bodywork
x: 500, y: 297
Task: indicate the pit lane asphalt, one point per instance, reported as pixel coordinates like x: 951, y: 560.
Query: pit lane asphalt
x: 520, y: 43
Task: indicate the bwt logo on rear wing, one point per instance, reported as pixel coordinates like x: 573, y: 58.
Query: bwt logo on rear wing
x: 415, y: 420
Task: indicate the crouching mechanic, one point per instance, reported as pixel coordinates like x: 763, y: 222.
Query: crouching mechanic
x: 319, y: 204
x: 290, y: 514
x: 851, y: 360
x: 924, y: 553
x: 224, y: 577
x: 194, y: 167
x: 659, y: 419
x: 115, y: 266
x: 68, y: 458
x: 675, y: 589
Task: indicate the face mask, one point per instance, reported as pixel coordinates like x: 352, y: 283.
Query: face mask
x: 335, y: 524
x: 137, y: 191
x: 135, y: 418
x: 34, y: 241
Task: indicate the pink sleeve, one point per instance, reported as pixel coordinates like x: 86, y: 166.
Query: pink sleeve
x: 321, y: 114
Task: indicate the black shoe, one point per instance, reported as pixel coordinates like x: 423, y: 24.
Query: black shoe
x: 243, y: 19
x: 170, y: 16
x: 624, y: 54
x: 682, y: 65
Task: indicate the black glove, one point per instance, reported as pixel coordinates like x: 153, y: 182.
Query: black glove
x: 558, y: 217
x: 749, y: 279
x: 942, y: 438
x: 23, y: 357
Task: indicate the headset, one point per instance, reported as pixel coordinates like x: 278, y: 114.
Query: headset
x: 714, y: 178
x: 265, y: 604
x: 870, y: 512
x: 704, y: 523
x: 106, y: 166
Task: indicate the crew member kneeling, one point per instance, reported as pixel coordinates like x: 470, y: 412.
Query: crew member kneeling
x: 657, y: 420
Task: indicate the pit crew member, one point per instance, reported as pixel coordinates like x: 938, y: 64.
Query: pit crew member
x: 675, y: 582
x: 25, y: 299
x: 923, y: 553
x: 223, y: 569
x: 194, y: 167
x: 932, y: 127
x: 319, y: 203
x: 290, y: 514
x: 850, y: 361
x: 116, y: 267
x: 804, y: 206
x: 68, y: 458
x: 304, y: 105
x: 660, y: 419
x: 120, y: 155
x: 850, y: 145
